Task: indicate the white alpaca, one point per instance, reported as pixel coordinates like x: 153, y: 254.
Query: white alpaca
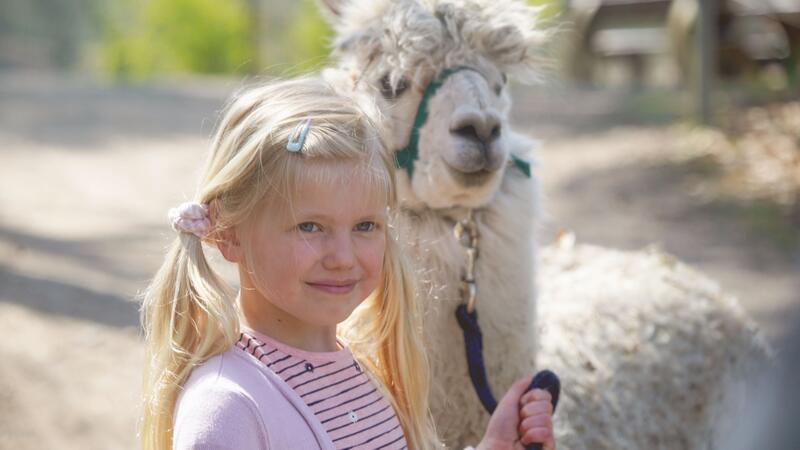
x: 683, y: 327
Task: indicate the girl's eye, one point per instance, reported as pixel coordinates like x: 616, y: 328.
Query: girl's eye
x: 308, y: 227
x: 366, y: 226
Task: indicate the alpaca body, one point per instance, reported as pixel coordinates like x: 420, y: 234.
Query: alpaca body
x: 651, y: 353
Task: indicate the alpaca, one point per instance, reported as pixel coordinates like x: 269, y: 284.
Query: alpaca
x: 470, y: 160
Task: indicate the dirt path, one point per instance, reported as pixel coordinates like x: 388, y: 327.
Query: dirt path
x: 619, y: 185
x: 87, y: 175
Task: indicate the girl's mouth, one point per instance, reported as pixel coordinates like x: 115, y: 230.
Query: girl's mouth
x: 334, y: 287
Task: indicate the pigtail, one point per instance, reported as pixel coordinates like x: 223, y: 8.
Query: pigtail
x: 188, y: 316
x: 386, y: 335
x: 402, y: 355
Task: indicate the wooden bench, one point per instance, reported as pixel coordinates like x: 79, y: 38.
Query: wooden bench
x: 631, y: 30
x: 637, y: 29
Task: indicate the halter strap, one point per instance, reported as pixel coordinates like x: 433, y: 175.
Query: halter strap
x: 404, y: 158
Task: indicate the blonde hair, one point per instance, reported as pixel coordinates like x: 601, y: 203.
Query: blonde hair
x: 189, y: 313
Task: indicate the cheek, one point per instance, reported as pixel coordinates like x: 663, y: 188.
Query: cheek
x: 372, y: 259
x: 282, y: 262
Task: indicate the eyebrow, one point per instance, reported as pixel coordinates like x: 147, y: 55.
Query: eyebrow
x: 323, y: 217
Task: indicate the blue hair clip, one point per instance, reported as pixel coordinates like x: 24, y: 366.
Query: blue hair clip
x: 298, y: 136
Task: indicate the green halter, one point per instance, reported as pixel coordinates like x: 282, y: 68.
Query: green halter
x: 405, y: 157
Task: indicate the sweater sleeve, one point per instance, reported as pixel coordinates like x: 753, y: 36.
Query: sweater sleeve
x: 210, y: 417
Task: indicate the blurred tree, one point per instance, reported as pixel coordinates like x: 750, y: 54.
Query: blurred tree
x: 309, y: 36
x: 145, y: 37
x: 141, y: 38
x: 204, y: 36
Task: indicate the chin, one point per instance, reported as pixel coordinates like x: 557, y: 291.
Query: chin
x: 340, y: 312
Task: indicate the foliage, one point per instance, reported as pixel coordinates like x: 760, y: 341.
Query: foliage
x: 206, y: 36
x: 140, y: 38
x: 309, y: 36
x: 145, y: 37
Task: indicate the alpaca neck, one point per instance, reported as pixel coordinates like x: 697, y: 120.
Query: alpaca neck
x: 505, y: 268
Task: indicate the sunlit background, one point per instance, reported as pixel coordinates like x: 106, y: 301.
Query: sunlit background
x: 653, y: 131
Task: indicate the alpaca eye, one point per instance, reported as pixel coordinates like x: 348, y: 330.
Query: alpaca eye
x: 390, y: 92
x: 498, y: 88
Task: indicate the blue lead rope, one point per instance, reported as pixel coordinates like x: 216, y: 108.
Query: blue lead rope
x: 473, y: 344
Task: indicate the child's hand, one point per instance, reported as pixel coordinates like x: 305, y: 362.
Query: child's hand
x: 521, y: 418
x: 536, y: 419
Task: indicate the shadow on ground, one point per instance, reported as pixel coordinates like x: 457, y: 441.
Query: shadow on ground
x: 58, y: 298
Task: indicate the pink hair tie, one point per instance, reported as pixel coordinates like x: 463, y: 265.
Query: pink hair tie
x: 190, y: 217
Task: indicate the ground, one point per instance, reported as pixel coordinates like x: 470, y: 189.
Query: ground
x: 88, y: 171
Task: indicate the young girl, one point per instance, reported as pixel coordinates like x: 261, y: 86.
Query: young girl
x: 298, y: 192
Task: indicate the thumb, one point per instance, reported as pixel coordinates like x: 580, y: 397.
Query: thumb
x: 514, y: 393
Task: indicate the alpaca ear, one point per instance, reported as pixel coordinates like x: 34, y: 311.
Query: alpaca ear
x: 332, y: 9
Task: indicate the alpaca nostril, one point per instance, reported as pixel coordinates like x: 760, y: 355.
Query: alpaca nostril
x: 480, y: 135
x: 495, y: 133
x: 468, y: 132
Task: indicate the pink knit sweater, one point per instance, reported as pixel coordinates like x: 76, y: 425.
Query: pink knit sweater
x: 262, y: 394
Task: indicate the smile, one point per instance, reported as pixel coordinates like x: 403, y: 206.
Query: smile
x: 334, y: 287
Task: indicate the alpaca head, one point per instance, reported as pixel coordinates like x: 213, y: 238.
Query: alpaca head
x: 396, y: 49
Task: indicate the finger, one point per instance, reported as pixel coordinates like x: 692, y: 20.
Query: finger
x: 517, y: 390
x: 550, y: 444
x: 540, y: 421
x: 539, y: 407
x: 535, y: 395
x: 536, y: 436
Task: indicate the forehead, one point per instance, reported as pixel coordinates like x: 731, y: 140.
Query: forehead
x: 429, y: 69
x: 483, y: 68
x: 339, y: 190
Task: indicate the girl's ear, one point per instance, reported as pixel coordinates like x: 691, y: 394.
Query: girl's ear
x: 226, y: 239
x: 228, y: 244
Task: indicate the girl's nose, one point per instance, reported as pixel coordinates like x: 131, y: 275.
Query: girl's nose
x: 340, y: 253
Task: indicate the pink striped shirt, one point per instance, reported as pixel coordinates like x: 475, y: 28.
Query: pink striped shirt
x: 351, y: 409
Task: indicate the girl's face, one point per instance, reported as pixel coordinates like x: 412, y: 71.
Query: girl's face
x: 319, y: 258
